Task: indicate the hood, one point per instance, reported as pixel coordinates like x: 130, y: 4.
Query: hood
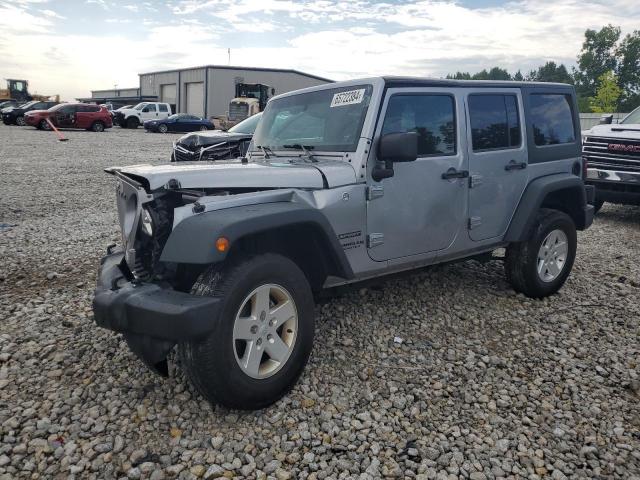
x: 204, y: 139
x: 277, y: 173
x: 623, y: 131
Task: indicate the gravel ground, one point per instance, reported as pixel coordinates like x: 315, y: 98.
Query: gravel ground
x: 479, y: 383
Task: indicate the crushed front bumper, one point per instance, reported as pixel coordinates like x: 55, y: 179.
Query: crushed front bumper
x: 152, y: 318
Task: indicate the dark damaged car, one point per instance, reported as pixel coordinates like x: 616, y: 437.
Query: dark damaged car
x: 217, y: 144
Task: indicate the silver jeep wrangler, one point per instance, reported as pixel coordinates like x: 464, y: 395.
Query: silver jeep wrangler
x: 341, y: 183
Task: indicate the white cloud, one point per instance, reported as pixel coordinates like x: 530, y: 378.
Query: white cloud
x: 325, y: 37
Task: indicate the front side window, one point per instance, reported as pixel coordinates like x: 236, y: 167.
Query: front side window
x: 431, y: 116
x: 149, y: 108
x: 325, y: 120
x: 552, y: 119
x: 495, y: 122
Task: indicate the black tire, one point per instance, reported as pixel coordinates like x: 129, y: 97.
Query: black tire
x: 204, y: 128
x: 173, y: 157
x: 162, y: 128
x: 44, y: 125
x: 132, y: 122
x: 211, y: 364
x: 521, y: 259
x: 20, y: 121
x: 597, y: 205
x: 97, y: 127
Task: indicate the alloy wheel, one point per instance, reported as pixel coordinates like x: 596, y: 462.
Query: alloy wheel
x: 552, y: 255
x: 264, y: 332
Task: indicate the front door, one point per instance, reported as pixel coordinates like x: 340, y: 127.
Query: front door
x: 422, y: 208
x: 497, y: 159
x: 66, y: 117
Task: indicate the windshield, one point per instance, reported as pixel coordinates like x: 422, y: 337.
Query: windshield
x: 28, y: 104
x: 633, y: 117
x: 324, y: 120
x: 247, y: 126
x: 140, y: 106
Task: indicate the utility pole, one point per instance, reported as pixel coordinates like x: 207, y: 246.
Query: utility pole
x: 229, y: 56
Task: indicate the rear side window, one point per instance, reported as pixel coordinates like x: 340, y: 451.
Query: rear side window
x: 432, y: 117
x: 552, y: 119
x: 163, y: 108
x: 495, y: 122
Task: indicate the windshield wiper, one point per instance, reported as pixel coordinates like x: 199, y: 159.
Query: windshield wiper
x: 266, y: 150
x: 305, y: 148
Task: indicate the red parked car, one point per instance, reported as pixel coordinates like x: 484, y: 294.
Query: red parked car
x: 71, y: 115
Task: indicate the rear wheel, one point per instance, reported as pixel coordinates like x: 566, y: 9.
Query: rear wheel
x: 132, y: 122
x: 539, y: 266
x: 203, y: 128
x: 162, y: 128
x: 97, y: 127
x: 262, y: 334
x: 20, y: 121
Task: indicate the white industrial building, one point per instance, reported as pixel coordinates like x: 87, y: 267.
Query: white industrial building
x: 207, y: 90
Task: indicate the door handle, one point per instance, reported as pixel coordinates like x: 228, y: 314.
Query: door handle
x: 513, y: 165
x: 453, y: 173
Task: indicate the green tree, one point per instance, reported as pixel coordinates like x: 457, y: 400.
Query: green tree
x: 551, y: 72
x: 597, y: 57
x: 518, y: 77
x: 629, y: 71
x: 607, y: 95
x: 459, y: 76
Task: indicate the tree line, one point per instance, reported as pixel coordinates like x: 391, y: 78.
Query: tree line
x: 607, y: 76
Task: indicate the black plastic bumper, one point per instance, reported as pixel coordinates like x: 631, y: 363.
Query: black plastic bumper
x: 148, y: 308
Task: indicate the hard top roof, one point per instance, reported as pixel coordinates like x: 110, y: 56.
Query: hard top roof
x: 393, y: 81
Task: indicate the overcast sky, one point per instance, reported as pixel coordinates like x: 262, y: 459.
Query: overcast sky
x: 74, y: 46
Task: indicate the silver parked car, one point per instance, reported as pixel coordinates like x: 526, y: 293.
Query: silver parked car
x: 342, y: 182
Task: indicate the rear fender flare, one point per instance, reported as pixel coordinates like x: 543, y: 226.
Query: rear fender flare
x: 533, y: 198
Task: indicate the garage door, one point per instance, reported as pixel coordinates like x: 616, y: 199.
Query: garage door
x: 195, y: 98
x: 168, y: 95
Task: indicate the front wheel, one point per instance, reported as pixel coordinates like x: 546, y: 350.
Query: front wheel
x: 262, y: 335
x: 203, y: 128
x: 162, y: 128
x: 20, y: 121
x: 539, y: 266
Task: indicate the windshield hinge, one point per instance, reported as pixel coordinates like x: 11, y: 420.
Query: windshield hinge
x: 375, y: 191
x: 375, y: 239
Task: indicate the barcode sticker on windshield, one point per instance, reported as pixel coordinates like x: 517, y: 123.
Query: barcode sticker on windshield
x: 347, y: 98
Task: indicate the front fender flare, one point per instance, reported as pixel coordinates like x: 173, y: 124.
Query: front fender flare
x: 193, y: 239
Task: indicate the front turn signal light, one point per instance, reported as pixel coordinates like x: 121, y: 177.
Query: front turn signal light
x: 222, y: 244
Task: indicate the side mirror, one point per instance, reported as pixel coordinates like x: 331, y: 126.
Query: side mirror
x: 606, y: 119
x: 398, y: 147
x: 395, y: 147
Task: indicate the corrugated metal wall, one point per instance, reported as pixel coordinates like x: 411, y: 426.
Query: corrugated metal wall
x: 120, y: 92
x: 588, y: 120
x: 220, y: 85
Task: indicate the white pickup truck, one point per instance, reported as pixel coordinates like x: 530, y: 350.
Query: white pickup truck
x: 136, y: 116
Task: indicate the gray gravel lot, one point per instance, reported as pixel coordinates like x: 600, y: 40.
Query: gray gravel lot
x: 485, y: 383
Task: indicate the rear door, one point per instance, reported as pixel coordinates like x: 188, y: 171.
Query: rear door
x: 163, y: 110
x: 497, y: 159
x: 149, y: 112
